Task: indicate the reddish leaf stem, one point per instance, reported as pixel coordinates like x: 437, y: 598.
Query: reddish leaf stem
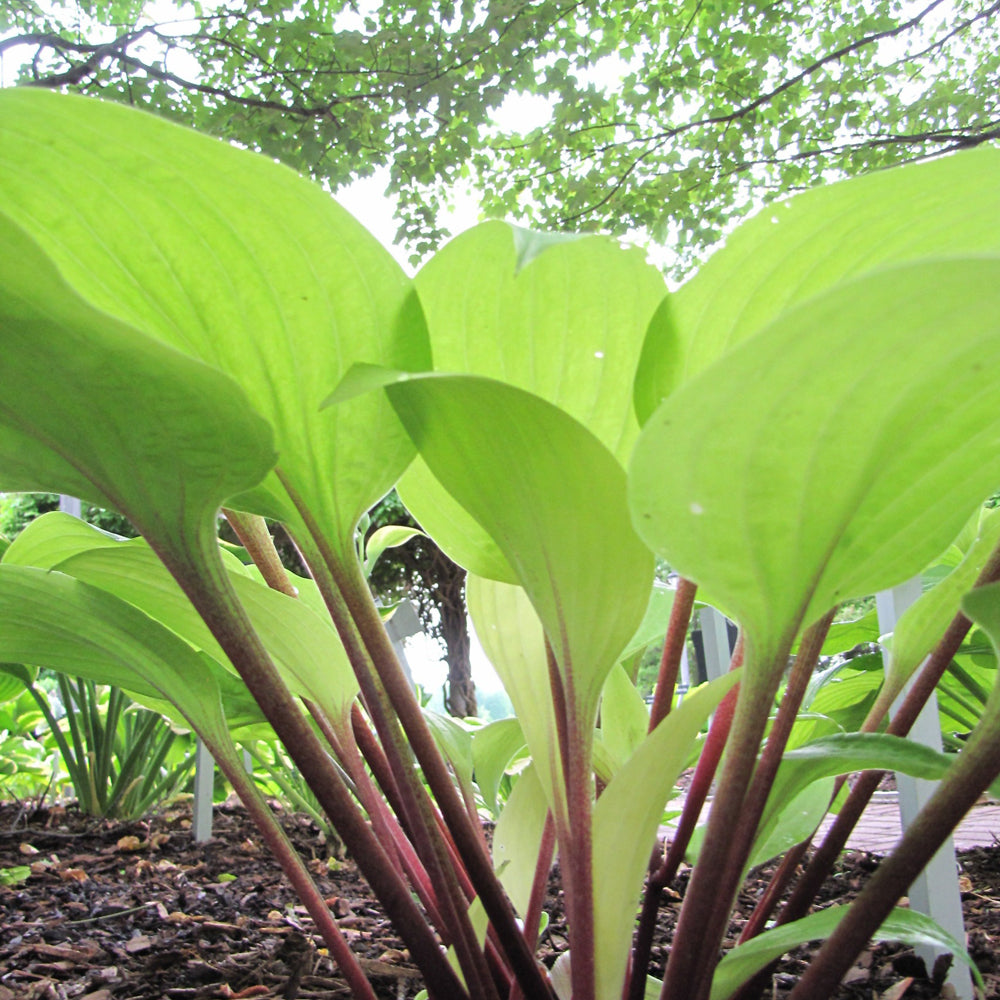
x: 204, y: 580
x: 295, y: 871
x: 742, y: 836
x: 698, y: 936
x: 663, y: 875
x: 673, y: 650
x: 352, y: 608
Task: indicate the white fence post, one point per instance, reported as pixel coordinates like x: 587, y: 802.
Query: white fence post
x: 935, y: 890
x: 715, y: 642
x: 204, y: 785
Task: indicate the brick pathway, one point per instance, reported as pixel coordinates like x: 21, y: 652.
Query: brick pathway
x: 879, y: 828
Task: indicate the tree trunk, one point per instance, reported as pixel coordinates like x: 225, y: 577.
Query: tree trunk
x: 460, y: 692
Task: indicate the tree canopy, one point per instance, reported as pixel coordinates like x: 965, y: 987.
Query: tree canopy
x: 667, y: 118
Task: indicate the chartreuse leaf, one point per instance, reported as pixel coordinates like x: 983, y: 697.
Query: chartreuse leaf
x: 553, y: 499
x: 563, y: 318
x: 51, y: 620
x: 792, y: 821
x: 846, y: 635
x: 820, y: 460
x: 92, y: 407
x: 634, y: 801
x: 923, y: 622
x: 624, y: 717
x: 805, y: 245
x: 230, y: 258
x: 908, y: 926
x: 11, y: 685
x: 493, y: 748
x: 455, y: 742
x: 303, y: 644
x: 982, y: 605
x: 512, y: 638
x: 389, y: 536
x: 518, y: 837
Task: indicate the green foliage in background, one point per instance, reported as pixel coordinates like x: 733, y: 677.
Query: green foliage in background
x: 668, y: 118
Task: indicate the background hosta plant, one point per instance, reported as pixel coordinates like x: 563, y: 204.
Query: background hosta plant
x: 189, y: 328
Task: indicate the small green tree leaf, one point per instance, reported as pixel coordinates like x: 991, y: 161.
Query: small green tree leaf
x: 727, y: 482
x: 746, y: 959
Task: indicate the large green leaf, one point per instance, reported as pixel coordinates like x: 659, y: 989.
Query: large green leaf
x: 634, y: 801
x: 233, y: 259
x: 51, y: 620
x: 49, y: 539
x: 304, y: 645
x: 93, y: 408
x: 552, y: 497
x: 562, y: 318
x: 802, y: 247
x: 908, y: 926
x: 822, y: 459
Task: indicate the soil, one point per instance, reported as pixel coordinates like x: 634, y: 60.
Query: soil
x: 138, y: 911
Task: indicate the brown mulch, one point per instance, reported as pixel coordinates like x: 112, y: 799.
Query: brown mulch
x: 138, y: 911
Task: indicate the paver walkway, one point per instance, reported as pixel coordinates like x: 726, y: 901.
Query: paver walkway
x: 879, y: 828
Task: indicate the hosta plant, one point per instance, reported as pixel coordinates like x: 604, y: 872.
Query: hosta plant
x: 186, y: 327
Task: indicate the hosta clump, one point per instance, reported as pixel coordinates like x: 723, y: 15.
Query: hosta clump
x: 188, y: 327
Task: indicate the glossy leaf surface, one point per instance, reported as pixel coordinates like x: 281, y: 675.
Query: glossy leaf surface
x: 553, y: 499
x: 98, y: 410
